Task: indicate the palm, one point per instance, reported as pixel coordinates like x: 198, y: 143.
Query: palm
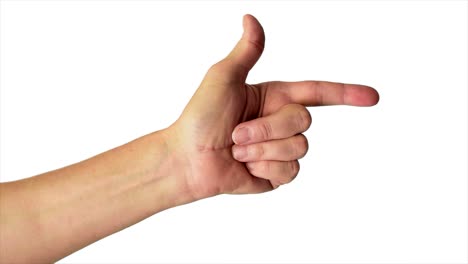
x: 212, y: 114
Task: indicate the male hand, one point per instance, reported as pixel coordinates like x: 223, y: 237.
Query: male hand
x: 241, y: 138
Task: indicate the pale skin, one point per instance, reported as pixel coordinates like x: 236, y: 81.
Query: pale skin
x: 232, y: 138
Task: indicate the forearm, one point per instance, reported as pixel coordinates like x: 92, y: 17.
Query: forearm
x: 49, y: 216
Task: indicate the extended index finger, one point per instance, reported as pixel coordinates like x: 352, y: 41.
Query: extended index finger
x: 318, y: 93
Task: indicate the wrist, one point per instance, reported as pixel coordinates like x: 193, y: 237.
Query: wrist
x: 192, y: 162
x: 168, y: 169
x: 179, y: 158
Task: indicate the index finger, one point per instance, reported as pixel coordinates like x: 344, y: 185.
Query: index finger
x: 320, y: 93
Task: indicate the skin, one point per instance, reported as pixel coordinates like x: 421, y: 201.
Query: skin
x: 232, y: 138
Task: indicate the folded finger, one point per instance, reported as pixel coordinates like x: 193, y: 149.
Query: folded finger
x: 287, y: 149
x: 277, y: 172
x: 288, y: 121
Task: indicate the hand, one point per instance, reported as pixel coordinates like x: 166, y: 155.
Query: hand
x: 231, y: 138
x: 241, y: 138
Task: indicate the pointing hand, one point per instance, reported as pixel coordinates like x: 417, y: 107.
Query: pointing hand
x: 242, y: 138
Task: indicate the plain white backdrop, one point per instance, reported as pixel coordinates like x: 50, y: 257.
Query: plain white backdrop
x: 386, y: 184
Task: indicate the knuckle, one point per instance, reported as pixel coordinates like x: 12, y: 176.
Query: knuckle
x: 264, y: 131
x: 290, y: 175
x: 216, y: 68
x: 301, y: 145
x: 285, y: 179
x: 226, y: 71
x: 256, y: 151
x: 303, y: 119
x: 294, y: 168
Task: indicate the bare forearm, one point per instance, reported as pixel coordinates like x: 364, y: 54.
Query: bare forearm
x: 49, y: 216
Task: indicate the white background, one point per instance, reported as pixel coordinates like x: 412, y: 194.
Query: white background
x: 386, y: 184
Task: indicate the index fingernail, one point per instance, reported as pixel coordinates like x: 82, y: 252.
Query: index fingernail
x: 241, y: 135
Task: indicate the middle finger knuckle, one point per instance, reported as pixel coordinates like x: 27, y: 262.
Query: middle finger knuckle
x: 301, y: 145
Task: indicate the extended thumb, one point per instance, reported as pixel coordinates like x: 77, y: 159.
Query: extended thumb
x: 250, y: 47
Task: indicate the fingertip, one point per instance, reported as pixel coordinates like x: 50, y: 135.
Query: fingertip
x: 376, y: 98
x: 248, y: 18
x: 244, y: 22
x: 234, y: 135
x: 239, y: 153
x: 241, y: 135
x: 361, y: 95
x: 253, y: 30
x: 245, y: 19
x: 249, y: 48
x: 372, y: 97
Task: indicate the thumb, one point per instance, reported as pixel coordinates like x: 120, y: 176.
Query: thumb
x: 250, y: 47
